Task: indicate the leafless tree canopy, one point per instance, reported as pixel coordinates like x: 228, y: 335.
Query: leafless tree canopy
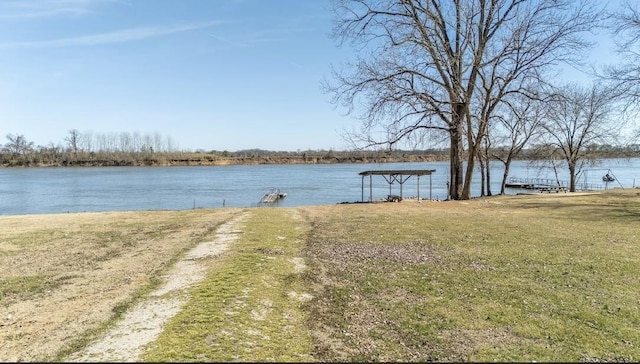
x: 625, y: 77
x: 73, y: 141
x: 423, y: 62
x: 626, y: 30
x: 517, y: 122
x: 17, y: 144
x: 577, y: 118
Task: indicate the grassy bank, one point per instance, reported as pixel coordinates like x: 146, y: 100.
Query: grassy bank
x: 540, y: 277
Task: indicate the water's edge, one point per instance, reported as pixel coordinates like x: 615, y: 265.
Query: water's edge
x: 94, y: 189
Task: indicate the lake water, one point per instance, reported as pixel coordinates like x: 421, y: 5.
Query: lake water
x: 56, y: 190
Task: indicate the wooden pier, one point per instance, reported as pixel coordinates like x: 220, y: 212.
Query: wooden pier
x: 539, y: 184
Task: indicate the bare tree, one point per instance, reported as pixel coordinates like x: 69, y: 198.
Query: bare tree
x: 424, y: 60
x: 626, y: 29
x: 579, y: 117
x: 138, y: 145
x: 52, y: 152
x: 158, y: 144
x: 87, y: 142
x: 125, y: 142
x: 625, y: 77
x: 519, y: 122
x: 112, y: 141
x: 18, y: 145
x: 73, y: 142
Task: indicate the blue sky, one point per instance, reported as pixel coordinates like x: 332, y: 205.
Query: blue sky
x: 211, y: 74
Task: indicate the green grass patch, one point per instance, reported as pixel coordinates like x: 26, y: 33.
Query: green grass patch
x: 34, y: 238
x: 249, y: 307
x: 27, y: 287
x: 23, y: 286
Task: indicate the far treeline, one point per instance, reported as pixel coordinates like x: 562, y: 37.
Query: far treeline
x: 132, y: 149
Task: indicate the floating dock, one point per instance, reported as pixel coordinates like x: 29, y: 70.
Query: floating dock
x: 272, y: 196
x: 528, y: 186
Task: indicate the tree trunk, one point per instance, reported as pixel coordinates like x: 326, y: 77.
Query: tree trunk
x: 466, y: 192
x: 456, y: 153
x: 474, y: 151
x: 455, y: 185
x: 507, y: 164
x: 487, y: 163
x: 488, y: 169
x: 483, y: 175
x: 572, y: 177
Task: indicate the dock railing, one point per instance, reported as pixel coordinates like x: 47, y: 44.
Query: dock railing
x: 538, y: 181
x: 547, y: 182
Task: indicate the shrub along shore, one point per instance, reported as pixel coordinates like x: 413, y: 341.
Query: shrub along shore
x: 55, y: 158
x: 507, y: 278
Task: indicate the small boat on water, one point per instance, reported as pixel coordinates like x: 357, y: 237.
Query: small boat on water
x: 608, y: 178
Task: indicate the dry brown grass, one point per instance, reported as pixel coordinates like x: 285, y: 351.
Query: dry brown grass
x: 82, y: 270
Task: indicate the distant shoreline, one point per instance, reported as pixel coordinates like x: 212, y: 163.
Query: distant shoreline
x: 211, y: 159
x: 246, y: 157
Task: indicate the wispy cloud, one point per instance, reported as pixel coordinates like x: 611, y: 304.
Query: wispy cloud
x: 118, y: 36
x: 259, y: 37
x: 21, y: 9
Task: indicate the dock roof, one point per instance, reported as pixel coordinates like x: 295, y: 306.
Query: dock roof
x: 396, y: 175
x: 404, y: 172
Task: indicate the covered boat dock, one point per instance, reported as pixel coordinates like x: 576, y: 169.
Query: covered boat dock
x: 396, y: 175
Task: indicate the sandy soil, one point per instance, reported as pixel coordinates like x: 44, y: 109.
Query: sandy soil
x: 86, y: 264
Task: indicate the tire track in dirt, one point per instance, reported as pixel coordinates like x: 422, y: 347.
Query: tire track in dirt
x: 145, y: 321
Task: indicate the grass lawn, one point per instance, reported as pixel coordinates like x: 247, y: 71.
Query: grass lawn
x: 521, y: 278
x: 545, y: 277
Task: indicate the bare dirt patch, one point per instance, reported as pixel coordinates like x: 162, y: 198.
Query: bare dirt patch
x: 83, y: 266
x: 144, y: 322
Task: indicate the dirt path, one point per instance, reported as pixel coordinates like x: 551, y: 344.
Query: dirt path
x: 144, y: 322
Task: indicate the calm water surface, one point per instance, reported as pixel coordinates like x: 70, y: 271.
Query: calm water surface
x: 55, y: 190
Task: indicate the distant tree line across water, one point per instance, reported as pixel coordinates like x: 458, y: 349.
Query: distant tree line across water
x: 135, y: 149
